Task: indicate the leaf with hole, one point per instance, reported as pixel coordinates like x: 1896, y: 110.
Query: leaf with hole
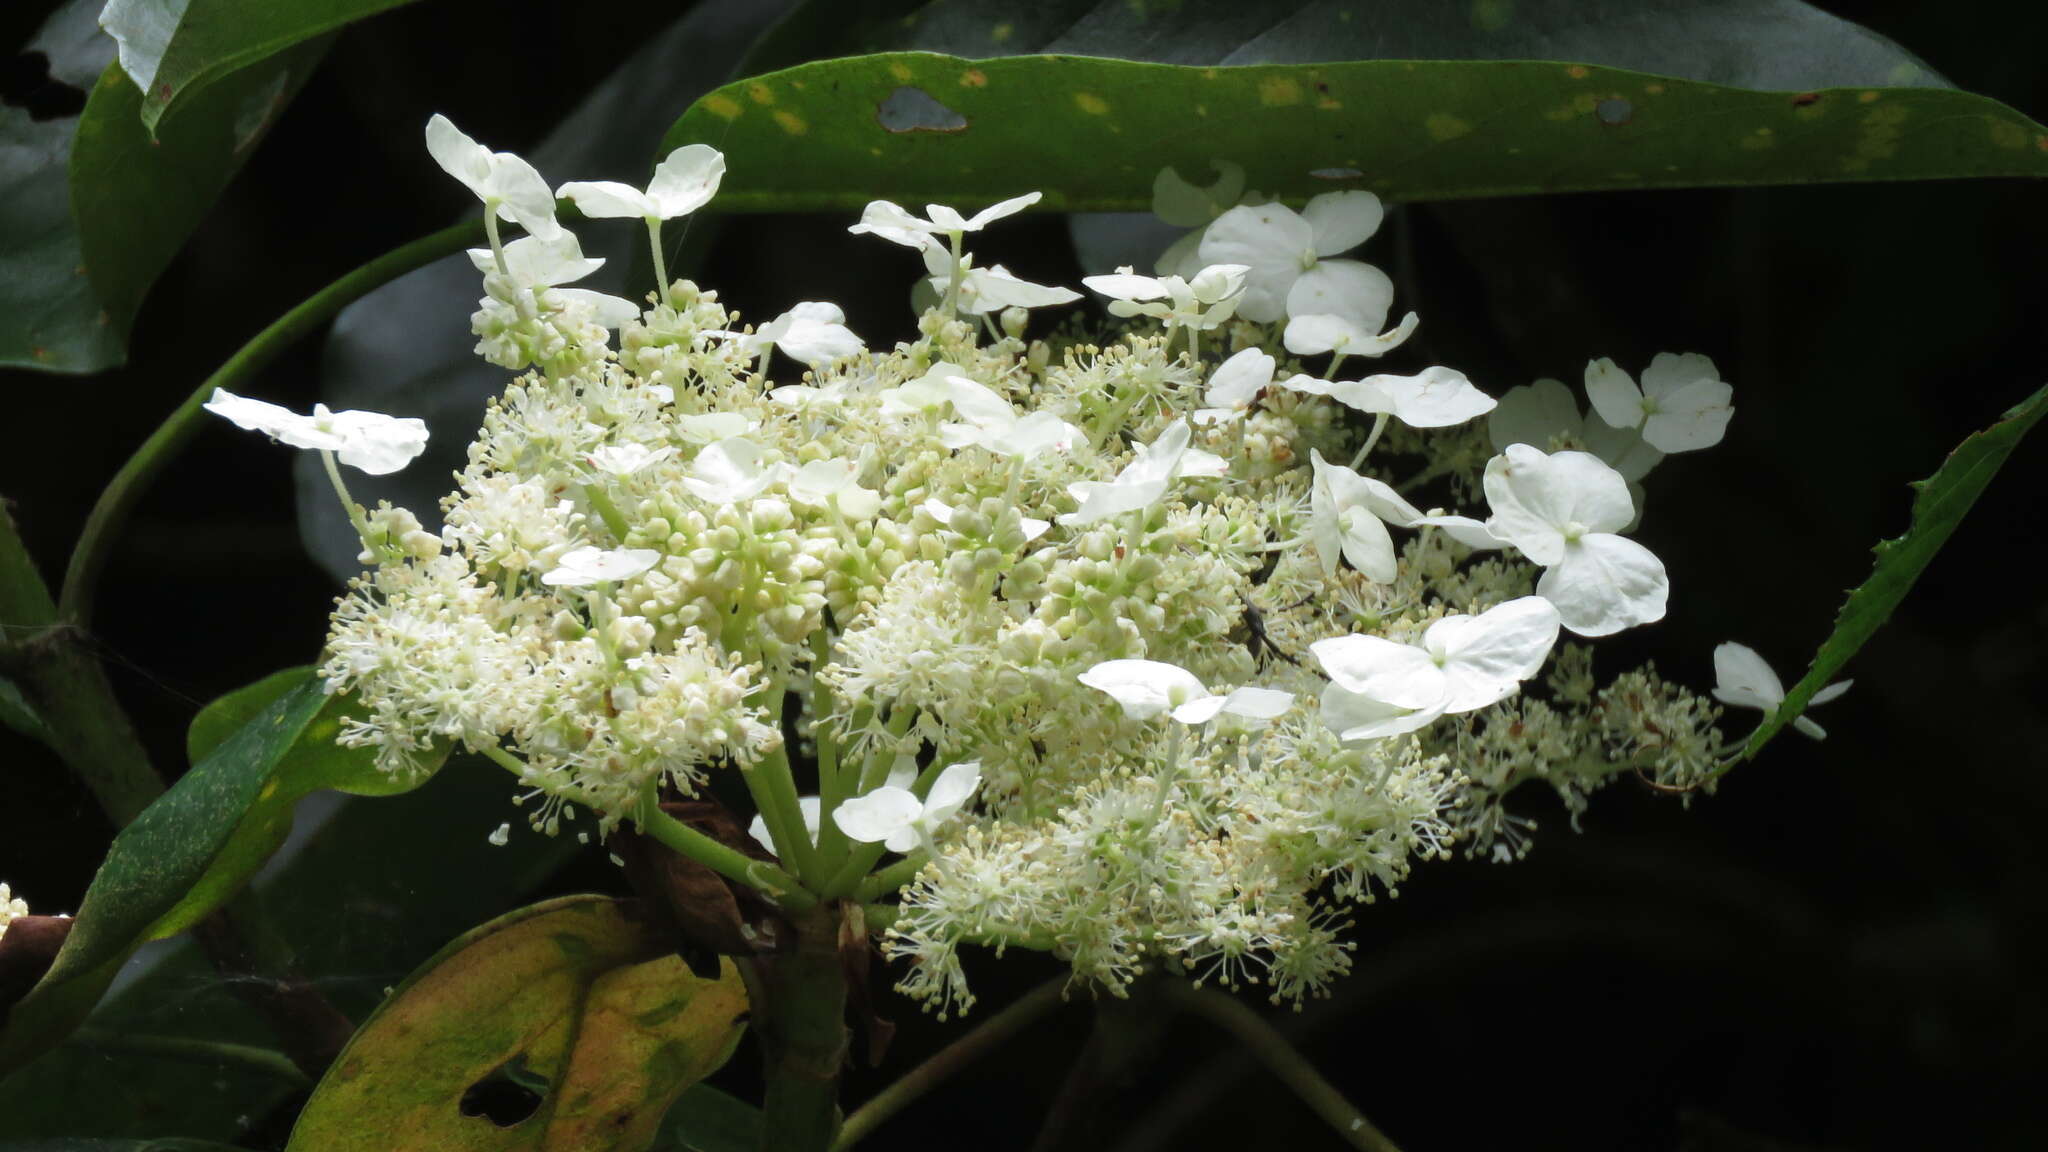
x: 1939, y: 504
x: 200, y: 841
x: 567, y: 1025
x: 1092, y: 133
x: 172, y: 49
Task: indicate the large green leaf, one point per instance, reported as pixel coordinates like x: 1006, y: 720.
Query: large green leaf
x: 1939, y: 503
x: 174, y: 48
x: 595, y: 1013
x: 197, y: 844
x: 705, y: 1119
x: 92, y: 209
x: 1092, y: 133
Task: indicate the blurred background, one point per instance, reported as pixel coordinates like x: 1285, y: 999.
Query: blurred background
x: 1839, y: 950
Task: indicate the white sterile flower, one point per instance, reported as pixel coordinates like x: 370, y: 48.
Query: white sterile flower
x: 1379, y: 687
x: 943, y: 512
x: 626, y: 459
x: 1743, y: 680
x: 1348, y: 515
x: 1436, y: 397
x: 891, y: 222
x: 12, y: 908
x: 990, y: 289
x: 507, y: 184
x: 1149, y: 688
x: 1284, y: 251
x: 582, y: 567
x: 895, y: 816
x: 730, y: 471
x: 813, y: 333
x: 1234, y: 385
x: 1563, y: 510
x: 1347, y: 333
x: 1141, y: 484
x: 535, y: 262
x: 1682, y: 403
x: 1201, y: 302
x: 682, y: 183
x: 823, y: 483
x: 993, y: 424
x: 371, y: 441
x: 807, y: 805
x: 1544, y: 412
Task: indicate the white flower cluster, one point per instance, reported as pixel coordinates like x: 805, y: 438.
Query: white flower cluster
x: 1096, y: 634
x: 12, y: 908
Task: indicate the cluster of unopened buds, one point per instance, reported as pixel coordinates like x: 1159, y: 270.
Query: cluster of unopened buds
x: 1134, y: 650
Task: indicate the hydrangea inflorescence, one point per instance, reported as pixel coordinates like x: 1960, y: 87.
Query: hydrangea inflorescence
x: 1143, y: 649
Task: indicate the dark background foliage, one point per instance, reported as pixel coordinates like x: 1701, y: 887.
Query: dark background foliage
x: 1840, y: 950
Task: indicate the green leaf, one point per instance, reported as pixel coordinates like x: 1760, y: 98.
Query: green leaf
x: 114, y: 1146
x: 380, y: 886
x: 174, y: 48
x: 16, y: 713
x: 574, y: 999
x: 705, y: 1119
x: 1939, y: 504
x: 1092, y: 133
x: 197, y: 845
x: 92, y: 209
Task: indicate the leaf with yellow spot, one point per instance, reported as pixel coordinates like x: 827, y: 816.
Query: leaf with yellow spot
x: 603, y: 1024
x: 255, y: 753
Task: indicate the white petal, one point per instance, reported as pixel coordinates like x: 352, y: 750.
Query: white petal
x: 1270, y: 240
x: 1258, y: 703
x: 1743, y: 679
x: 1341, y: 221
x: 1605, y: 583
x: 891, y: 222
x: 1393, y: 673
x: 379, y: 444
x: 1002, y: 208
x: 628, y: 458
x: 1124, y: 286
x: 1536, y: 497
x: 274, y: 421
x: 994, y: 288
x: 729, y: 471
x: 606, y: 199
x: 1217, y: 282
x: 1237, y: 380
x: 1356, y: 291
x: 1692, y: 417
x: 1670, y: 371
x: 686, y: 180
x: 1039, y: 432
x: 1486, y: 657
x: 979, y: 404
x: 1465, y: 530
x: 1806, y: 727
x: 525, y: 197
x: 585, y: 566
x: 1436, y: 397
x: 457, y: 154
x: 707, y: 427
x: 1145, y: 688
x: 1188, y: 205
x: 1182, y: 258
x: 1200, y: 710
x: 878, y: 816
x: 758, y: 829
x: 605, y: 309
x: 1534, y: 414
x: 1831, y: 692
x: 816, y: 481
x: 1033, y: 528
x: 1355, y: 717
x: 1624, y: 449
x: 952, y: 789
x: 1614, y: 394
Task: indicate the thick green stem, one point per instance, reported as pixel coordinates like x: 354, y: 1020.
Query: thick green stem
x: 991, y: 1033
x: 103, y: 525
x: 799, y: 1000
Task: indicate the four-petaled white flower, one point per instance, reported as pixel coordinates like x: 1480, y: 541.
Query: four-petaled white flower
x: 582, y: 567
x: 1149, y: 688
x: 807, y: 806
x: 1436, y: 397
x: 893, y: 815
x: 990, y: 421
x: 1562, y: 510
x: 1743, y: 680
x: 990, y: 289
x: 370, y: 441
x: 1546, y: 412
x: 628, y: 458
x: 682, y: 183
x: 539, y: 265
x: 1142, y: 482
x: 1682, y: 403
x: 1380, y: 687
x: 1201, y: 302
x: 891, y: 222
x: 1285, y: 253
x: 813, y: 333
x: 834, y: 483
x: 507, y: 184
x: 1234, y: 385
x: 730, y: 471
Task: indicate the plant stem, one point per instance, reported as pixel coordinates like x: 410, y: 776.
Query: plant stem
x: 103, y: 525
x: 891, y: 878
x: 1265, y: 1043
x: 1379, y: 425
x: 949, y: 1060
x: 249, y: 1056
x: 799, y: 1000
x: 660, y: 263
